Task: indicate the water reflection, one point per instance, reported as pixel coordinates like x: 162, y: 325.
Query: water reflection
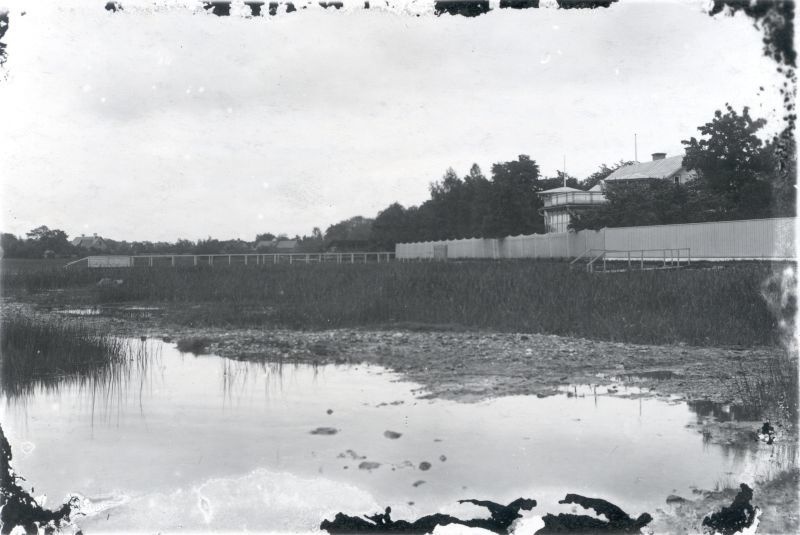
x: 724, y: 412
x: 239, y: 435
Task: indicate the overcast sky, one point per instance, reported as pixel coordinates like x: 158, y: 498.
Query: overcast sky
x: 158, y: 124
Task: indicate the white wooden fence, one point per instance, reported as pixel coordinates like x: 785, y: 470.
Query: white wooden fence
x: 168, y: 260
x: 753, y: 239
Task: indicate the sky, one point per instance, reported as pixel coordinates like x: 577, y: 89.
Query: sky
x: 163, y: 122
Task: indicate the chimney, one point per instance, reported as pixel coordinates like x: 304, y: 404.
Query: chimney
x: 659, y: 155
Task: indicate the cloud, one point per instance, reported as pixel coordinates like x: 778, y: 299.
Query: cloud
x: 159, y: 123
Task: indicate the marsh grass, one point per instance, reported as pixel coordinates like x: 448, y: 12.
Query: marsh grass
x: 772, y: 392
x: 37, y: 353
x: 693, y: 306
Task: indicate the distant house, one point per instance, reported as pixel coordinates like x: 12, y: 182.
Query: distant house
x: 90, y: 242
x: 562, y: 204
x: 286, y: 246
x: 660, y: 167
x: 338, y: 246
x: 266, y: 245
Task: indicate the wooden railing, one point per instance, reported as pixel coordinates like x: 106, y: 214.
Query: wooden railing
x: 255, y: 259
x: 667, y: 258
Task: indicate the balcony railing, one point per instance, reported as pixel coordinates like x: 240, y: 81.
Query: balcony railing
x: 575, y: 198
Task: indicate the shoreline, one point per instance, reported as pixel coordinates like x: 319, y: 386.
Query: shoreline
x: 471, y: 366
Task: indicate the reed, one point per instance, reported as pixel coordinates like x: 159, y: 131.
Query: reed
x: 35, y: 353
x: 693, y: 306
x: 773, y: 391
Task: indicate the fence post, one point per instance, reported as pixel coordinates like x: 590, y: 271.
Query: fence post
x: 173, y: 261
x: 151, y: 261
x: 245, y: 260
x: 195, y: 259
x: 642, y: 264
x: 352, y: 258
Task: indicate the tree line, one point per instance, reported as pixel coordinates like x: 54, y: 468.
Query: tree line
x: 739, y: 176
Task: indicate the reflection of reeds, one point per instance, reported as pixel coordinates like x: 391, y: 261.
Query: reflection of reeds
x: 194, y: 344
x: 236, y: 376
x: 46, y: 354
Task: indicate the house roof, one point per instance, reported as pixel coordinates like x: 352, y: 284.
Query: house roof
x: 663, y: 168
x: 287, y: 244
x: 562, y: 189
x: 88, y: 241
x: 266, y: 243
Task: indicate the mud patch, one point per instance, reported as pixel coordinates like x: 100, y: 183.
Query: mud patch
x: 324, y: 431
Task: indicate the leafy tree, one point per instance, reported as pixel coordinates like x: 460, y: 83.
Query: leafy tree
x: 655, y: 202
x: 601, y: 174
x: 479, y: 191
x: 513, y: 202
x: 183, y: 247
x: 208, y: 246
x: 783, y: 153
x: 43, y: 239
x: 315, y: 243
x: 9, y: 245
x: 392, y: 226
x: 731, y: 160
x: 355, y: 229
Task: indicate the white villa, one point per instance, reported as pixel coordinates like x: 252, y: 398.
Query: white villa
x: 561, y: 204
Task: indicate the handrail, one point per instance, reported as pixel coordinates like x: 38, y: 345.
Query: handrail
x: 590, y: 265
x: 673, y: 259
x: 146, y: 260
x: 579, y: 256
x: 187, y: 255
x: 76, y: 261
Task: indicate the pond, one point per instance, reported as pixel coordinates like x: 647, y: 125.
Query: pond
x: 206, y: 443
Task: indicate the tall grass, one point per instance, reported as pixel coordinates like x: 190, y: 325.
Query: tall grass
x: 37, y: 353
x: 772, y: 392
x: 699, y: 307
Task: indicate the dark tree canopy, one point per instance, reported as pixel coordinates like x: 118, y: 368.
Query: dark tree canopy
x: 733, y: 162
x: 656, y: 202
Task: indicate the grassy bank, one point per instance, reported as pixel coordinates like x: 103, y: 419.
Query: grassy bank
x: 698, y: 307
x: 34, y: 352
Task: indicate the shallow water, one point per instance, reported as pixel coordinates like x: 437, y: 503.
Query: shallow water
x: 201, y: 442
